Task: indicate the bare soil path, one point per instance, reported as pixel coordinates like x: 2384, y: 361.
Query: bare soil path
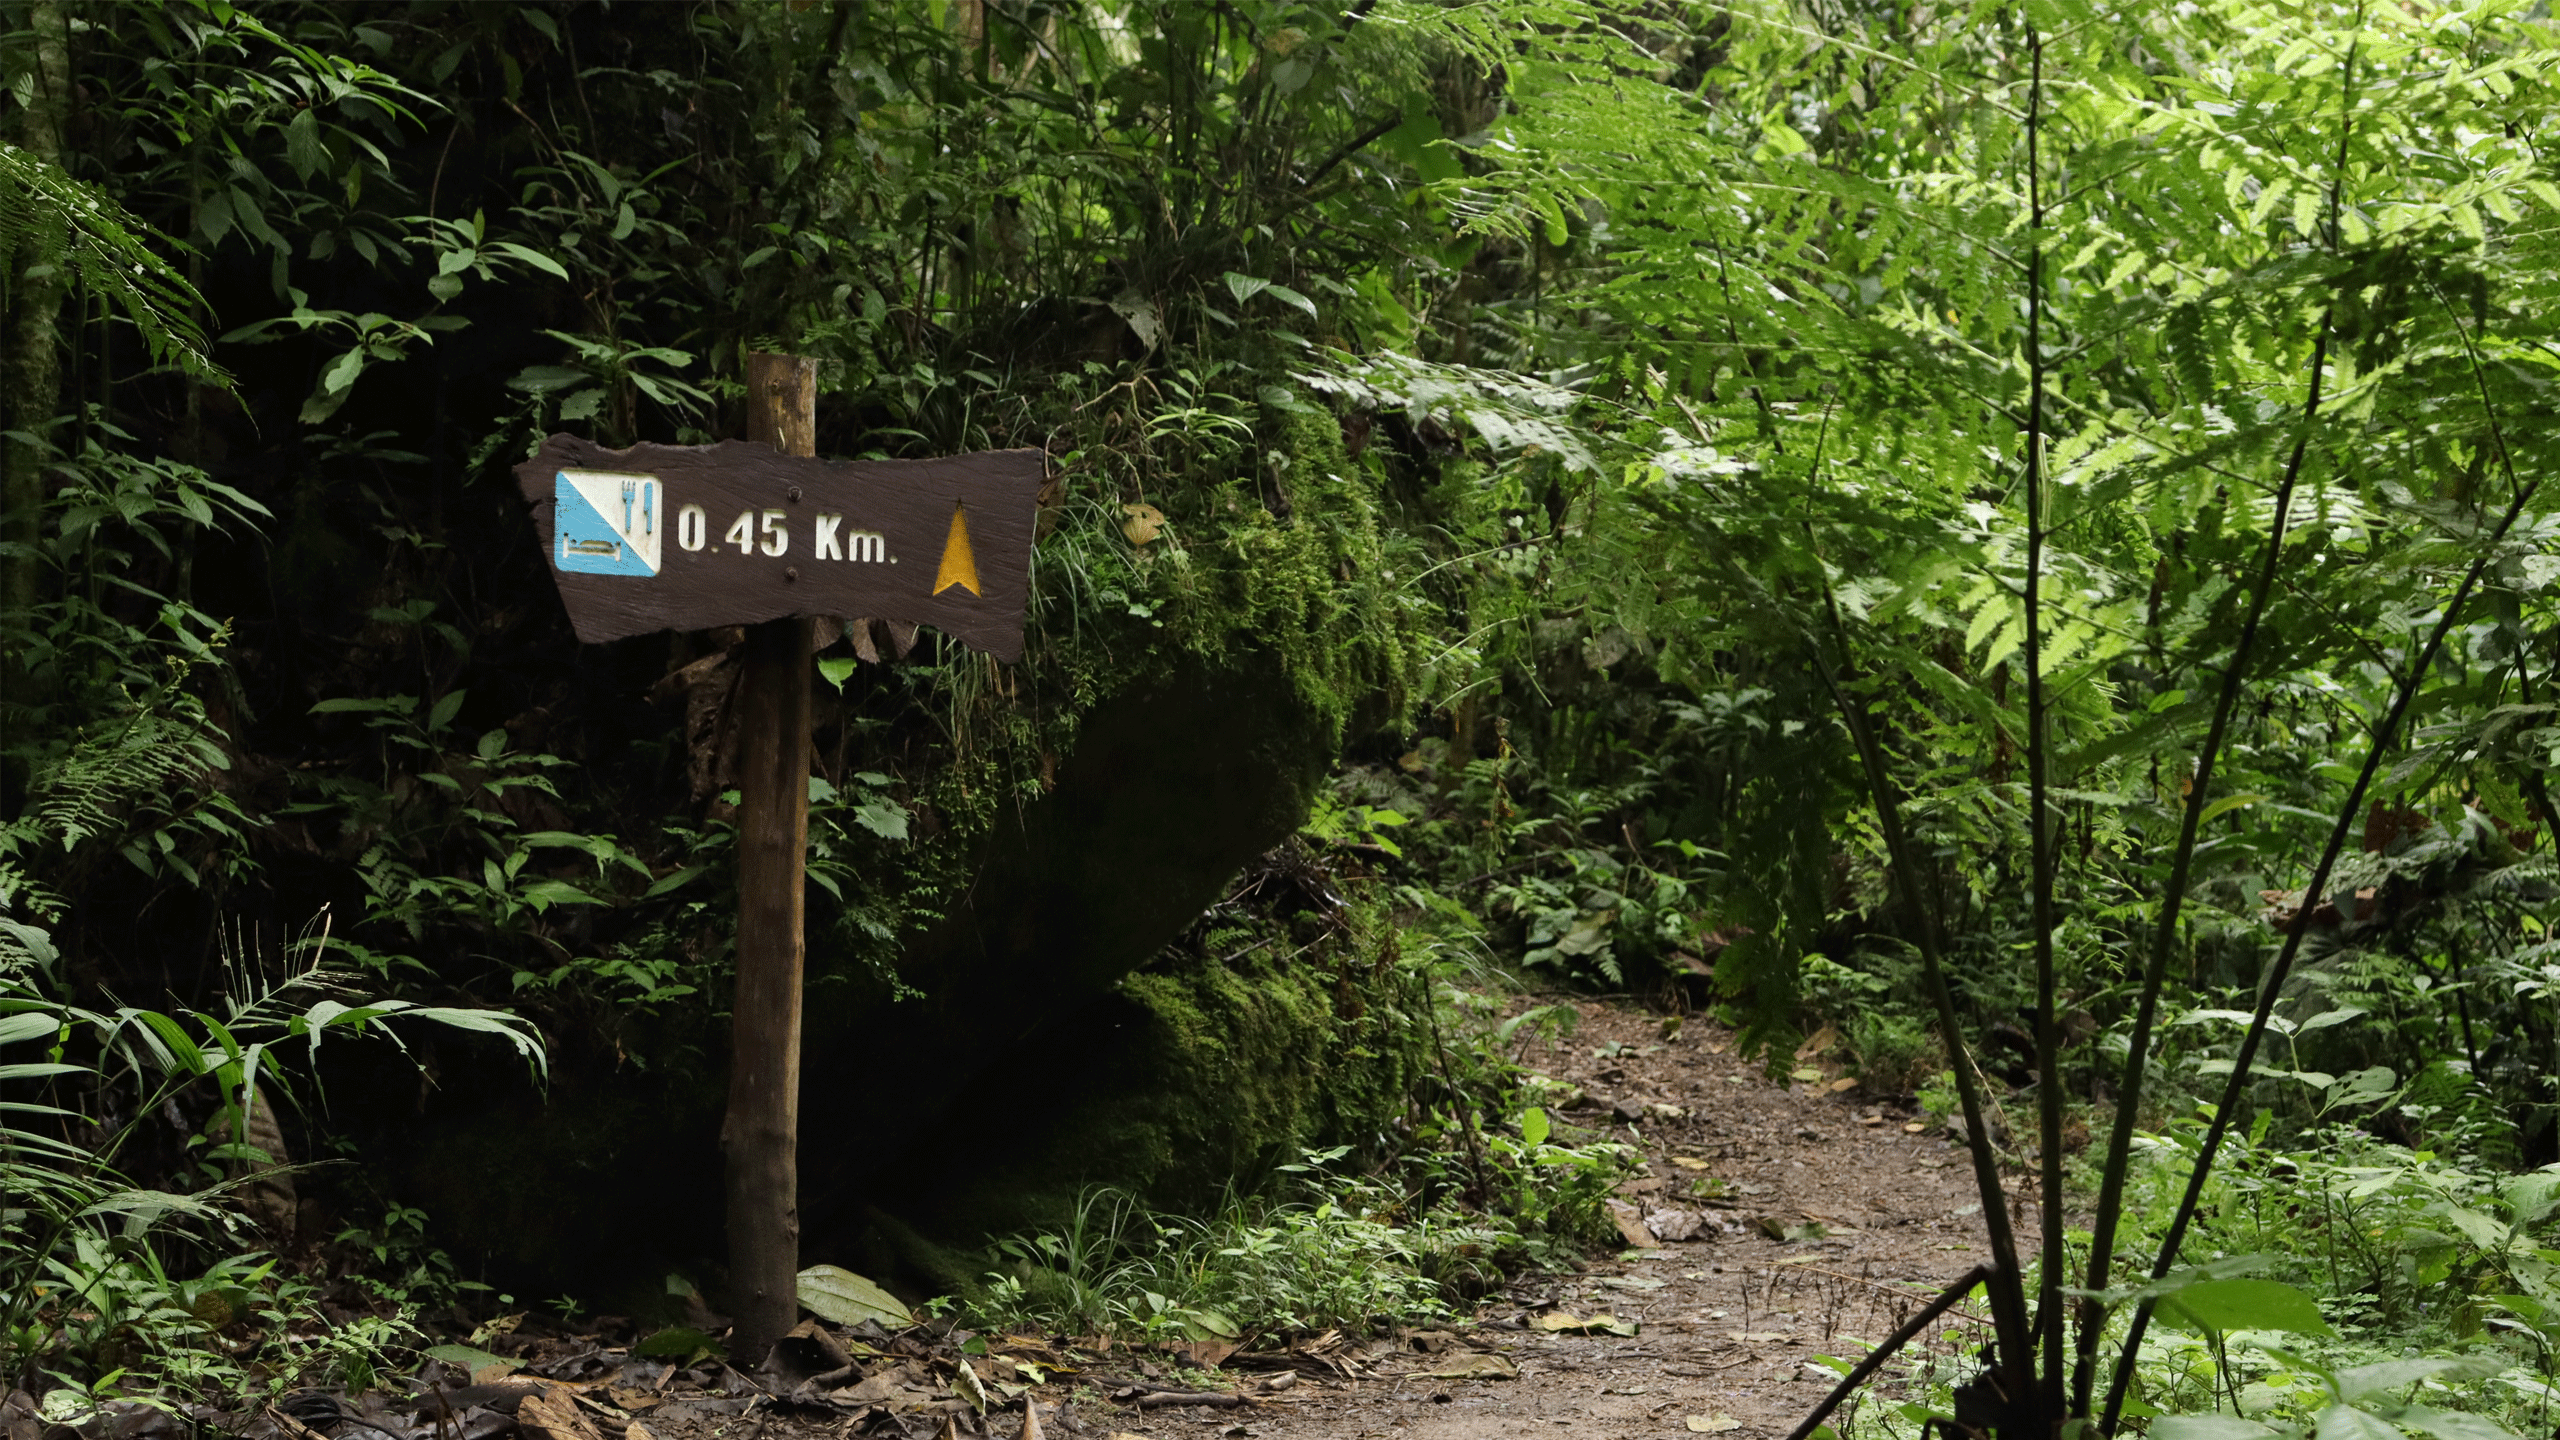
x: 1815, y: 1219
x: 1726, y: 1325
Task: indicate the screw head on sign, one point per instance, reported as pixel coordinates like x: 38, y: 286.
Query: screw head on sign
x: 795, y: 494
x: 790, y: 572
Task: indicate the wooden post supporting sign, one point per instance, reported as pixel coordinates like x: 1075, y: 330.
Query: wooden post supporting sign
x: 762, y: 1132
x: 763, y: 534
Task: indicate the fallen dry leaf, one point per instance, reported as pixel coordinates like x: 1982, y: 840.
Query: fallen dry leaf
x: 1675, y: 1224
x: 971, y: 1388
x: 1630, y: 1223
x: 875, y: 1390
x: 1688, y: 1162
x: 1564, y: 1322
x: 1208, y: 1354
x: 1844, y: 1083
x: 553, y: 1415
x: 1807, y: 1075
x: 1480, y: 1365
x: 1712, y: 1424
x: 1145, y: 522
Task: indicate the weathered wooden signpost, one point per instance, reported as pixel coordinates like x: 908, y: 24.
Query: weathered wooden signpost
x: 762, y: 534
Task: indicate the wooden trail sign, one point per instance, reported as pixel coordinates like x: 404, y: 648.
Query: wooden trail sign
x: 762, y: 534
x: 690, y: 537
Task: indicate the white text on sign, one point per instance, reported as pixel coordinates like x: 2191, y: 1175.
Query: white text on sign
x: 769, y: 533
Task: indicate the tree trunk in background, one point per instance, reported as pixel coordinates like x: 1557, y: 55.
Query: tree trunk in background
x: 31, y: 370
x: 763, y: 1130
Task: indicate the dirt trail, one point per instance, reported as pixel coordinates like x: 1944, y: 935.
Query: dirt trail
x: 1822, y: 1221
x: 1727, y: 1327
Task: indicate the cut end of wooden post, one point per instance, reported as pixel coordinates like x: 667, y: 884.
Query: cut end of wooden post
x: 781, y: 402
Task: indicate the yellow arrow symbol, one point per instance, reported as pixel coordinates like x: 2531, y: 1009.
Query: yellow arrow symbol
x: 959, y: 562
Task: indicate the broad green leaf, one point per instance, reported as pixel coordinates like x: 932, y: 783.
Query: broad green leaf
x: 532, y: 257
x: 837, y: 1294
x: 542, y: 894
x: 482, y: 1366
x: 2477, y: 1228
x: 1288, y: 296
x: 149, y: 1205
x: 2358, y: 1382
x: 1202, y: 1323
x: 2530, y: 1198
x: 28, y: 1025
x: 2227, y: 804
x: 671, y: 882
x: 303, y: 148
x: 2346, y: 1422
x: 2454, y: 1424
x: 2247, y: 1304
x: 884, y: 818
x: 1533, y: 1125
x: 679, y: 1342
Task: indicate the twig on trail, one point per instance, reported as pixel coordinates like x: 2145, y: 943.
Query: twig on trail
x: 1880, y: 1286
x: 1712, y: 1369
x: 1911, y: 1328
x: 1162, y: 1398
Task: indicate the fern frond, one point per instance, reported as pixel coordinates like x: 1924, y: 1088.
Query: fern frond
x: 51, y: 219
x: 146, y: 753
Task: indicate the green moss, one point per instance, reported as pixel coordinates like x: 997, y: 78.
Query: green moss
x: 1186, y: 1080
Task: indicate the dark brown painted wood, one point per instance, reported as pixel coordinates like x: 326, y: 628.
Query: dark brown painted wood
x: 854, y: 538
x: 762, y: 1133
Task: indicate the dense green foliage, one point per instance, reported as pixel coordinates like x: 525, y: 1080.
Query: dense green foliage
x: 2010, y: 533
x: 278, y: 644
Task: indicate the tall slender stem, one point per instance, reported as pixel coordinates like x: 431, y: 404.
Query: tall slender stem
x: 2049, y: 1373
x: 2164, y: 936
x: 2006, y: 1284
